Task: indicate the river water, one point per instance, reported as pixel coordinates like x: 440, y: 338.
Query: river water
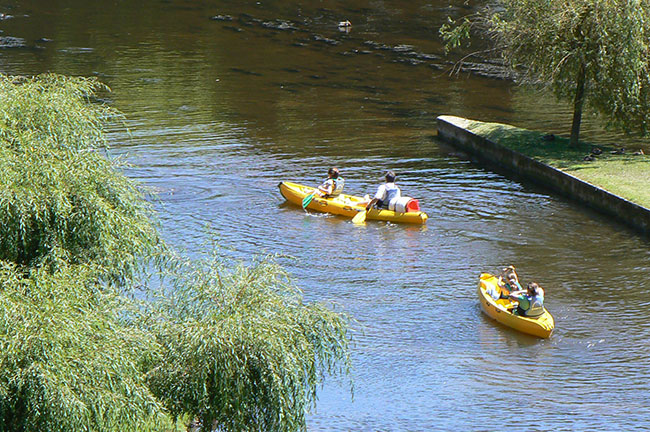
x: 221, y: 110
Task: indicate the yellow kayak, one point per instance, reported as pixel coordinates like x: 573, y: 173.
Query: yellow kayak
x: 345, y: 205
x: 501, y: 310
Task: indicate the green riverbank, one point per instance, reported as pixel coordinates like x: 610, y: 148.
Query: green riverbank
x: 626, y: 175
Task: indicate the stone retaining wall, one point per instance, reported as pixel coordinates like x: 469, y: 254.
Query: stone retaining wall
x: 452, y: 130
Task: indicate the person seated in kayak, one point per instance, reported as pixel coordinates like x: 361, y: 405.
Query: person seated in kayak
x: 531, y: 301
x: 333, y: 186
x: 386, y: 193
x: 509, y: 281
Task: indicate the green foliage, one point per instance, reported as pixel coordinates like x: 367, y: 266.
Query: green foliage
x: 53, y: 109
x: 231, y: 347
x: 454, y: 34
x: 241, y: 351
x: 60, y: 199
x: 69, y: 359
x: 603, y: 44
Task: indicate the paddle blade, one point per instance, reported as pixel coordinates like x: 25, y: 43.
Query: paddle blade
x: 359, y: 218
x: 306, y: 200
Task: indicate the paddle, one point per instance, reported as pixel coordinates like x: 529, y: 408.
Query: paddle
x: 360, y: 217
x: 306, y: 200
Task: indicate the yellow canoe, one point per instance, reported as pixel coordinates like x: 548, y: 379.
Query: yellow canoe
x: 501, y: 310
x: 345, y: 205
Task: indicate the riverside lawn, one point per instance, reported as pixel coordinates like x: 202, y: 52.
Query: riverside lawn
x: 626, y: 175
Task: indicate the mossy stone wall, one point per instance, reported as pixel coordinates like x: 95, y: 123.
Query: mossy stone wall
x: 451, y: 130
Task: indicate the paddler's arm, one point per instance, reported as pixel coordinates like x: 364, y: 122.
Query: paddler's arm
x: 371, y: 203
x: 516, y: 295
x: 325, y: 189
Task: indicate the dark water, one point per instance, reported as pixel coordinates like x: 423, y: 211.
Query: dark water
x: 220, y: 111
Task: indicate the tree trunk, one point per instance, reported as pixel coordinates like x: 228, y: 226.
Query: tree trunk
x: 578, y: 101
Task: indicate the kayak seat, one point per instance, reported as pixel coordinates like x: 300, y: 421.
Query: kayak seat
x: 535, y: 316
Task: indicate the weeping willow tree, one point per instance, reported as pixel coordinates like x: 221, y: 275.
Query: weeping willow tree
x: 71, y: 225
x: 61, y: 200
x: 241, y: 351
x: 595, y: 54
x: 70, y: 360
x: 228, y: 347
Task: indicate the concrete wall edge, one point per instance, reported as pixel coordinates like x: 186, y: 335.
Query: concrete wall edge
x: 453, y: 130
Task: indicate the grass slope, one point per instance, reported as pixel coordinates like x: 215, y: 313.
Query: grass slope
x: 626, y: 175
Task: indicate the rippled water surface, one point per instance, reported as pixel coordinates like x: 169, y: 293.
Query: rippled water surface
x: 221, y: 110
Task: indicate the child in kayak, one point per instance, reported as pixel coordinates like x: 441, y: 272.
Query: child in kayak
x: 333, y: 186
x: 530, y: 301
x: 509, y: 281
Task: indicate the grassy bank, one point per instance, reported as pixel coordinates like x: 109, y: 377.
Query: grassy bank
x: 626, y: 175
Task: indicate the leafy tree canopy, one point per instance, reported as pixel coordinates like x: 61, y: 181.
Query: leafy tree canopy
x: 230, y: 346
x: 241, y: 351
x: 61, y: 200
x: 593, y: 53
x: 70, y: 360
